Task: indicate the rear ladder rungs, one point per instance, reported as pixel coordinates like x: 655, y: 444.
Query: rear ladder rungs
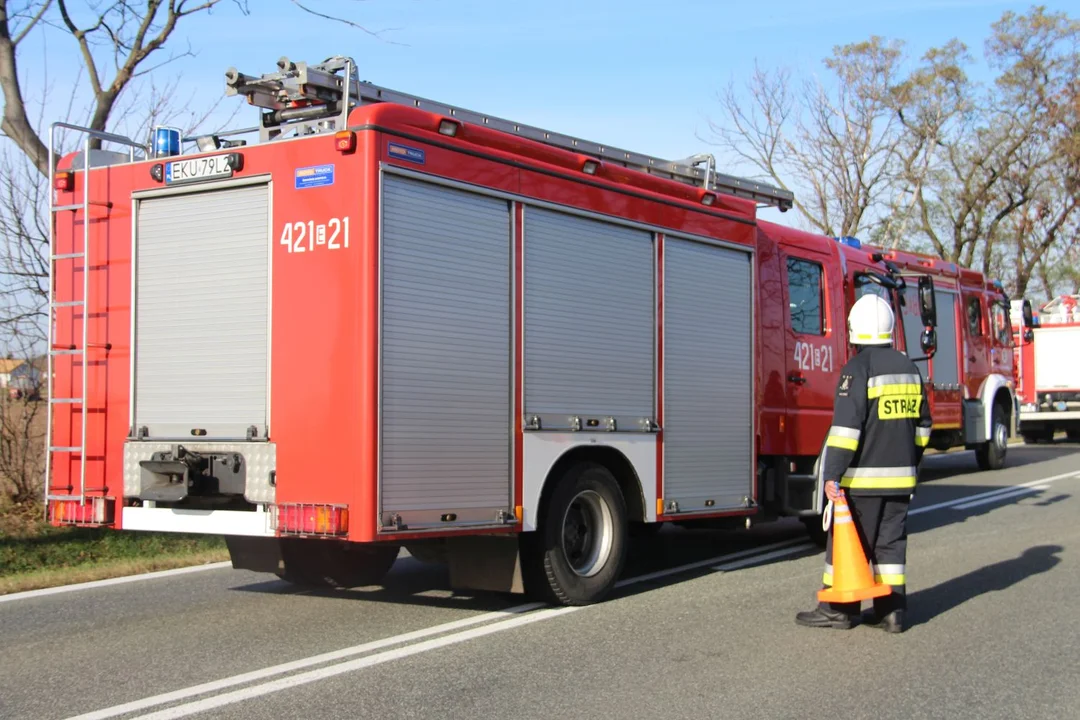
x: 80, y: 206
x: 68, y: 256
x: 64, y: 448
x: 67, y: 401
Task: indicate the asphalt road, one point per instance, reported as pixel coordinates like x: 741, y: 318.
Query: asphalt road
x: 993, y: 585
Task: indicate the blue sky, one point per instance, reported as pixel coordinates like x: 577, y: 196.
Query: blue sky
x: 639, y: 75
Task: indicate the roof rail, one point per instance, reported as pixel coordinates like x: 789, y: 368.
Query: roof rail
x: 311, y: 99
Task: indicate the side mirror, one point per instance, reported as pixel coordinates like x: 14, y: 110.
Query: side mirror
x: 927, y: 302
x: 1029, y: 335
x: 929, y: 342
x: 1026, y: 312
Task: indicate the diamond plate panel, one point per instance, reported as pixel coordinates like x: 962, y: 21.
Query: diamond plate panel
x: 261, y: 459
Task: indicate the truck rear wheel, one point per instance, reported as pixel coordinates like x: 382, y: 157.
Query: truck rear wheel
x: 991, y: 454
x: 578, y: 551
x: 335, y: 564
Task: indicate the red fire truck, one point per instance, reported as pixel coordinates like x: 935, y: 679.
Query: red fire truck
x: 1047, y: 376
x: 397, y: 323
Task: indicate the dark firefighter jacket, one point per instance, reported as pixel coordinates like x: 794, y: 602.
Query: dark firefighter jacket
x: 881, y: 424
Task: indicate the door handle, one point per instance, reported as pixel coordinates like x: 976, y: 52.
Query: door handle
x: 796, y: 378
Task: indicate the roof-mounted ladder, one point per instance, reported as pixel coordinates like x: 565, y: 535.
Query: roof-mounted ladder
x: 309, y: 99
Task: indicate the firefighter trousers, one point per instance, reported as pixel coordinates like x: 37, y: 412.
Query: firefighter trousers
x: 881, y: 522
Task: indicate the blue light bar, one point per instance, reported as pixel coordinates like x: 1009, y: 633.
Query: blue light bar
x: 850, y: 241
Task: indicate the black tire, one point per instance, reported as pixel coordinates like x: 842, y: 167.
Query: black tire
x: 578, y: 550
x: 813, y: 528
x: 335, y: 564
x: 1031, y: 438
x: 991, y: 454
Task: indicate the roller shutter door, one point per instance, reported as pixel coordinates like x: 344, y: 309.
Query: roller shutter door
x: 589, y: 320
x: 446, y: 354
x: 201, y: 313
x: 708, y: 376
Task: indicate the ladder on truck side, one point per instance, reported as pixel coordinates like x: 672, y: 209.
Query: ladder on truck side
x: 83, y: 513
x: 311, y: 99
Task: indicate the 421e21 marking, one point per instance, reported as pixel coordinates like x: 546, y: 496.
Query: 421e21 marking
x: 308, y: 236
x: 811, y: 357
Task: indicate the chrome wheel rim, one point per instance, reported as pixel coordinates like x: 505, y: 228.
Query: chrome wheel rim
x: 587, y: 533
x: 1001, y: 436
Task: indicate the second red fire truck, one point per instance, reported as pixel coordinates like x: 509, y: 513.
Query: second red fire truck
x: 393, y: 322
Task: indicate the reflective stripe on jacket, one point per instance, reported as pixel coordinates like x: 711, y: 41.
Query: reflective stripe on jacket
x: 881, y: 424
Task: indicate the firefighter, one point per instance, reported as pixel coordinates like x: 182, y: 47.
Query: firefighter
x: 880, y: 429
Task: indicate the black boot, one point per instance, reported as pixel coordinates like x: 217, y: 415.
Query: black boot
x: 821, y: 617
x: 893, y: 622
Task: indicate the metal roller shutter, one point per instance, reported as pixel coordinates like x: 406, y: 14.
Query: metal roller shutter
x: 201, y: 313
x: 589, y: 319
x: 446, y: 354
x: 708, y: 376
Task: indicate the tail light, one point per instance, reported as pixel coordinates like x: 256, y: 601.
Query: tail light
x: 92, y: 512
x: 309, y: 519
x: 64, y: 181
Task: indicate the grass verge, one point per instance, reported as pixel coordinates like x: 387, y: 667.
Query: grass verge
x: 34, y: 555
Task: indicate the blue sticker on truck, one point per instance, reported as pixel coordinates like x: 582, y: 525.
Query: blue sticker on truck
x: 314, y: 176
x: 404, y: 152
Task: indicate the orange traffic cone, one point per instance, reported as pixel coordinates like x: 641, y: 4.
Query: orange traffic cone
x: 852, y: 578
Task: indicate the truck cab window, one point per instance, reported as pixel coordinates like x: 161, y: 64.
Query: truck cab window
x: 805, y: 297
x: 974, y: 316
x: 1002, y: 329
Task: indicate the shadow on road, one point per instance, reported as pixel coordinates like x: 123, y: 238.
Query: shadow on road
x: 412, y: 582
x: 960, y: 463
x: 927, y: 604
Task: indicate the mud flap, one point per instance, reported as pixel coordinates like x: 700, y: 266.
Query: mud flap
x: 259, y: 554
x: 485, y: 563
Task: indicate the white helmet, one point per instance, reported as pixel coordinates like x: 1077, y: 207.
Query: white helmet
x: 870, y: 322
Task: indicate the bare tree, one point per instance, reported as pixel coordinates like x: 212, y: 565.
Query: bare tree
x: 1000, y: 193
x: 933, y: 104
x: 22, y: 430
x: 924, y: 158
x: 837, y: 144
x: 123, y: 44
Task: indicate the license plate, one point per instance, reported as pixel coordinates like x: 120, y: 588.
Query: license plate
x: 209, y: 167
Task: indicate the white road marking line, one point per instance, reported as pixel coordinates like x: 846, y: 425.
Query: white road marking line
x: 345, y: 667
x: 112, y: 581
x: 224, y: 683
x: 202, y: 689
x: 705, y: 563
x: 754, y: 560
x: 396, y: 654
x: 1002, y: 496
x: 999, y: 491
x: 735, y: 561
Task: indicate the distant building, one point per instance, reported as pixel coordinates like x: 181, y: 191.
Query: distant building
x: 22, y: 378
x: 7, y: 365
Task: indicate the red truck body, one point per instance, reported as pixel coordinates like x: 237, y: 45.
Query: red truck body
x: 488, y: 347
